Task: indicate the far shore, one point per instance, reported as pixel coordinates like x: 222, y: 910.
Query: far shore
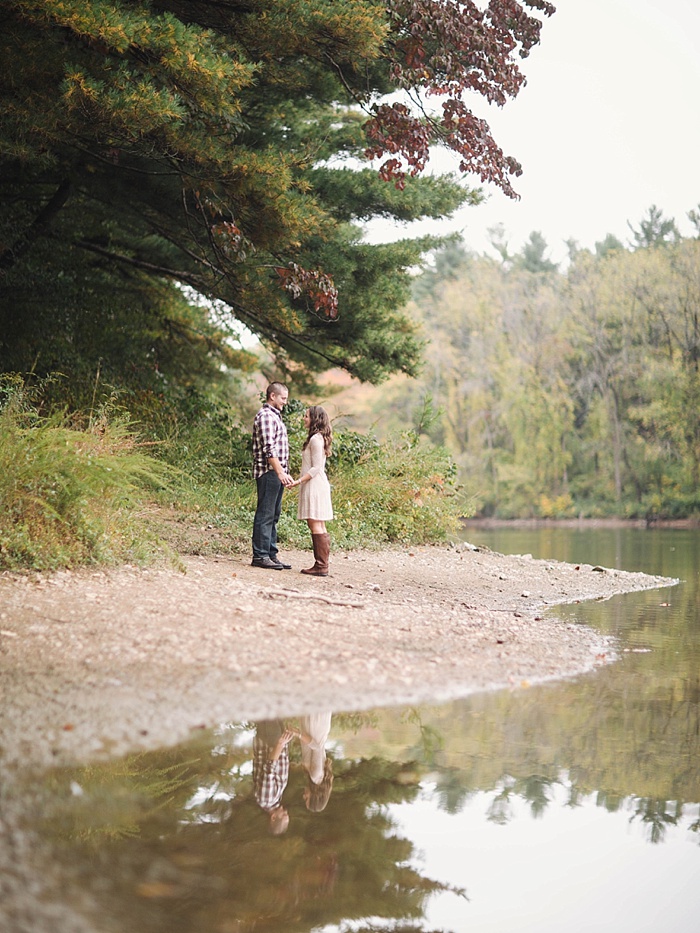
x: 693, y: 522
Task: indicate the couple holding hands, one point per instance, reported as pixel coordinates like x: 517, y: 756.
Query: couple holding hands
x: 270, y: 469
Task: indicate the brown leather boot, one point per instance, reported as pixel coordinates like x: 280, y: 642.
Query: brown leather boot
x: 324, y: 551
x: 322, y: 546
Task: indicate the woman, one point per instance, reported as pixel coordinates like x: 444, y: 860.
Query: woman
x: 318, y: 767
x: 314, y: 489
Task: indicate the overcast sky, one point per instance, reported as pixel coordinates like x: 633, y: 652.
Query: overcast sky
x: 607, y: 125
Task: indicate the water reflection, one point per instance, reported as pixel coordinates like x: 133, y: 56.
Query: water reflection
x: 507, y: 811
x: 271, y: 766
x: 183, y: 843
x: 180, y: 841
x: 271, y: 771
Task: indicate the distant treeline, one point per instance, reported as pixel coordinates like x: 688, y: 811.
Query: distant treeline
x: 569, y: 392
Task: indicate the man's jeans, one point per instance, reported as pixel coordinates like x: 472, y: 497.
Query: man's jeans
x: 267, y: 515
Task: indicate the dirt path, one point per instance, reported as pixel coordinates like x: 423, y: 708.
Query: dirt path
x: 95, y: 663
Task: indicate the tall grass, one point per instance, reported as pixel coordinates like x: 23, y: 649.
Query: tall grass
x: 401, y: 492
x: 71, y: 494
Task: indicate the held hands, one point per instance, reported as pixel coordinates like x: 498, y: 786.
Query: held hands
x: 283, y: 740
x: 288, y: 481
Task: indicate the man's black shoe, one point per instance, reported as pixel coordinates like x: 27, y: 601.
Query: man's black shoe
x: 281, y: 564
x: 266, y: 563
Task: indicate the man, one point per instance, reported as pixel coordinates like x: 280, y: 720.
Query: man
x: 271, y: 771
x: 270, y: 465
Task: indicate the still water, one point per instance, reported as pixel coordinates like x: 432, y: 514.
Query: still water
x: 565, y: 807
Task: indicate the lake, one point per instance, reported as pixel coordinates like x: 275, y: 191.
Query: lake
x: 570, y: 806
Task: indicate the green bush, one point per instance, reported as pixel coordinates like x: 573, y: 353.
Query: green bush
x: 402, y: 490
x: 69, y: 493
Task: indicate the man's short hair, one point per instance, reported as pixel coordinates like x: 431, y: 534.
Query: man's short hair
x: 274, y: 389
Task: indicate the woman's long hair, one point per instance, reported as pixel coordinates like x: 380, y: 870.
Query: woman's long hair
x: 319, y: 793
x: 320, y: 423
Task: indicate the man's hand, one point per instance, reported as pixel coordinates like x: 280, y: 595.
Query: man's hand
x: 282, y: 474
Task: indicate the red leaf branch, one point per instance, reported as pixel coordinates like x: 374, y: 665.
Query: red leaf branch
x: 446, y: 48
x: 314, y: 285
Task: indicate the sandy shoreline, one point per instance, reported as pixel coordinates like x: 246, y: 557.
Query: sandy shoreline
x: 94, y: 664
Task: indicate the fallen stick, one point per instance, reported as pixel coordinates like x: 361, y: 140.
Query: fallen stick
x: 295, y: 594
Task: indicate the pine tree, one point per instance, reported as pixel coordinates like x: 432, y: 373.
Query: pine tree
x: 216, y: 145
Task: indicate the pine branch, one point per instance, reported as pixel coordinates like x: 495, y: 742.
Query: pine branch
x: 155, y: 269
x: 37, y: 228
x: 198, y: 284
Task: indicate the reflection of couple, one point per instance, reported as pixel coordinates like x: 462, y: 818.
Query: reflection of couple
x: 270, y: 469
x: 271, y: 765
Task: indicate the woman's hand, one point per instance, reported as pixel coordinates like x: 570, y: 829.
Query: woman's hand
x: 283, y: 740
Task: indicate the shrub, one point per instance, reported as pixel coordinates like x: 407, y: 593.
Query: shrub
x: 402, y: 490
x: 69, y: 494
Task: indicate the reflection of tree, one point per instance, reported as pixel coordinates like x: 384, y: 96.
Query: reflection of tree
x: 656, y: 816
x: 500, y: 809
x: 534, y: 789
x: 374, y: 928
x: 613, y: 803
x: 451, y: 792
x: 695, y: 828
x: 112, y: 801
x: 199, y: 849
x: 630, y: 732
x: 430, y: 742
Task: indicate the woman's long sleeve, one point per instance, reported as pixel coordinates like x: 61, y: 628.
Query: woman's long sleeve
x: 318, y: 459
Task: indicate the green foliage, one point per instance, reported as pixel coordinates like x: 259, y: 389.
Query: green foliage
x: 654, y: 230
x: 112, y: 801
x: 70, y: 494
x: 401, y: 490
x: 170, y: 172
x: 90, y: 490
x: 566, y: 393
x: 165, y: 144
x: 533, y: 257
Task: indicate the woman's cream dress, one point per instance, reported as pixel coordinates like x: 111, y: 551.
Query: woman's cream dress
x: 315, y: 496
x: 313, y: 754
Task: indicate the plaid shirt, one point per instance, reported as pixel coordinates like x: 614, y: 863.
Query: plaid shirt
x: 269, y: 777
x: 269, y: 440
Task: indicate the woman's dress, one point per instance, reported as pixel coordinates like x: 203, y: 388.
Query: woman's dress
x: 313, y: 754
x: 315, y: 496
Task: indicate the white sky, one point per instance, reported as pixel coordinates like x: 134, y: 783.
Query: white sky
x: 607, y: 125
x: 575, y: 868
